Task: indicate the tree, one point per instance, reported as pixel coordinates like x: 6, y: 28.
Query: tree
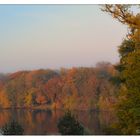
x: 68, y: 125
x: 13, y: 128
x: 4, y: 102
x: 53, y: 91
x: 41, y: 99
x: 128, y: 107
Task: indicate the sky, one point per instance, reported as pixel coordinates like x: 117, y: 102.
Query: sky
x: 55, y: 36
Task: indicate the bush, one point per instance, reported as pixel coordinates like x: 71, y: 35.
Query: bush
x: 68, y: 125
x: 12, y: 128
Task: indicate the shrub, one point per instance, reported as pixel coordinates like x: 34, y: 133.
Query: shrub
x: 68, y: 125
x: 12, y: 128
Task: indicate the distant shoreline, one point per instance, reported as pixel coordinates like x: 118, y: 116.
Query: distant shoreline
x: 51, y: 109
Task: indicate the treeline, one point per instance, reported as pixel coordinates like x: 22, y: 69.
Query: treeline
x: 83, y: 88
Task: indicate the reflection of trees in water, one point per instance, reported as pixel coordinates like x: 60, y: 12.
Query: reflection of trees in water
x: 90, y: 120
x: 107, y: 118
x: 42, y: 118
x: 94, y: 122
x: 5, y: 116
x: 42, y: 122
x: 45, y: 122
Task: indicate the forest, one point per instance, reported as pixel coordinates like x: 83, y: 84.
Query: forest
x: 81, y: 88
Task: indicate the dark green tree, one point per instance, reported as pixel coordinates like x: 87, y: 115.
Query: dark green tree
x: 128, y: 106
x: 68, y: 125
x: 12, y: 128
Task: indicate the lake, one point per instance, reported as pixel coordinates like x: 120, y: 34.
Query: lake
x: 39, y: 122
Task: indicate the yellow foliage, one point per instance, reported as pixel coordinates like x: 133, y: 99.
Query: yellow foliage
x: 4, y: 102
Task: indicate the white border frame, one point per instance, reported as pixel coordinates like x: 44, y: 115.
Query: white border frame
x: 69, y: 2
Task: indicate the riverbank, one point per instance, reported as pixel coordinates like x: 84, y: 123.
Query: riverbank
x: 44, y: 107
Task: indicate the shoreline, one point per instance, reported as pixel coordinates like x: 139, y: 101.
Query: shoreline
x: 50, y: 109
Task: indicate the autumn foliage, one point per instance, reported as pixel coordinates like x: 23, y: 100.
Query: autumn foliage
x: 76, y: 88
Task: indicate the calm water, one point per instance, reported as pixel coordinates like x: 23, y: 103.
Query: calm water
x: 37, y: 122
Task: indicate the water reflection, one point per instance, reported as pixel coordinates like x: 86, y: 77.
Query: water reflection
x: 37, y: 122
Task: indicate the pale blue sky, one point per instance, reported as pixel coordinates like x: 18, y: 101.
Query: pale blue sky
x: 55, y: 36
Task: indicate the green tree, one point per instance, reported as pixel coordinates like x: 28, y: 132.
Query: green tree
x: 13, y: 128
x: 68, y: 125
x: 128, y: 107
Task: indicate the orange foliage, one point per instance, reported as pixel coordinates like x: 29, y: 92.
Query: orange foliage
x: 76, y: 88
x: 4, y: 118
x: 4, y: 102
x: 41, y: 99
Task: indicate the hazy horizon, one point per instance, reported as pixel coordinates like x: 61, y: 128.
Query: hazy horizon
x: 55, y: 36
